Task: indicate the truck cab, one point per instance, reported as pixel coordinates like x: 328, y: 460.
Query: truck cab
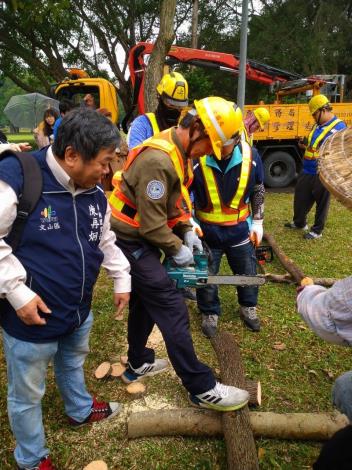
x: 78, y: 84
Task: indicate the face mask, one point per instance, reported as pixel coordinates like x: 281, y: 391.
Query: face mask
x: 169, y: 115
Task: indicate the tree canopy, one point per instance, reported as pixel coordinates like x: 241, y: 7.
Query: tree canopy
x: 40, y: 39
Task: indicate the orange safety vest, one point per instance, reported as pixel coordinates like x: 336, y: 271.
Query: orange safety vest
x: 312, y: 150
x: 124, y: 209
x: 217, y: 212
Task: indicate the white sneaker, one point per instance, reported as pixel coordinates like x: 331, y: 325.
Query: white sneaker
x: 312, y: 235
x: 148, y: 369
x: 221, y: 398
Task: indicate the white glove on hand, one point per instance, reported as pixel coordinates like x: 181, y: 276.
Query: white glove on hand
x: 184, y: 256
x: 196, y: 227
x: 193, y: 242
x: 256, y: 233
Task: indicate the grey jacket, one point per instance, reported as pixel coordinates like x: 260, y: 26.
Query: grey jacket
x: 328, y: 312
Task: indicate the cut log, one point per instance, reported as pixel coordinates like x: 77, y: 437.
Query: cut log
x: 307, y: 281
x: 96, y: 465
x: 136, y: 388
x: 193, y: 422
x: 254, y: 389
x: 103, y: 370
x: 286, y: 262
x: 287, y: 279
x: 240, y: 444
x: 117, y: 370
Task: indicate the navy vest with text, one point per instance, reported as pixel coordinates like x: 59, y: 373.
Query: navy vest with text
x: 59, y: 250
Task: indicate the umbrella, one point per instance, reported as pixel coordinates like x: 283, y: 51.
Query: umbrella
x: 27, y: 110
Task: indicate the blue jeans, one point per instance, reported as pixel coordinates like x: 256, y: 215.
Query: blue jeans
x: 342, y: 394
x: 26, y: 371
x: 241, y: 260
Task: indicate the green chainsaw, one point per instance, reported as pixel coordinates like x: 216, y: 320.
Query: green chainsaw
x: 197, y: 274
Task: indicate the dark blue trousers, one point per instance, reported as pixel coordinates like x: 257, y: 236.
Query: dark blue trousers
x: 242, y: 260
x: 156, y: 300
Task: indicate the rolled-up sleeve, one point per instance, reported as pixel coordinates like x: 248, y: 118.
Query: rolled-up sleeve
x: 115, y: 262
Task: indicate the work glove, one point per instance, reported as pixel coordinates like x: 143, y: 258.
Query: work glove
x: 196, y: 227
x: 193, y: 242
x: 256, y: 233
x: 184, y: 256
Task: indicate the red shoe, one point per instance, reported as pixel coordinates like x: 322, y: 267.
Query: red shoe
x: 100, y: 410
x: 44, y: 464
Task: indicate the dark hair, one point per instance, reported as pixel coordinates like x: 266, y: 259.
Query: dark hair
x: 87, y: 132
x: 187, y: 120
x: 48, y: 130
x: 66, y: 105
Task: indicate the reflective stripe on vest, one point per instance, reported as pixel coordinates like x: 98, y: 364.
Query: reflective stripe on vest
x: 123, y: 208
x: 312, y: 150
x: 245, y: 137
x: 217, y: 212
x: 153, y: 123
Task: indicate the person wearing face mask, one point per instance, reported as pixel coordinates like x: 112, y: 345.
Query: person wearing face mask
x: 173, y: 97
x: 309, y: 189
x: 228, y: 194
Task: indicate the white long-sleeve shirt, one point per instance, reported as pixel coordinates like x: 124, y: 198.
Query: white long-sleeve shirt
x: 13, y: 274
x: 328, y: 312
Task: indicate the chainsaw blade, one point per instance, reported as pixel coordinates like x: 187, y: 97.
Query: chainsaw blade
x: 242, y: 281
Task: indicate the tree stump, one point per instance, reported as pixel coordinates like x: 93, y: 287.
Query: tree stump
x: 240, y: 444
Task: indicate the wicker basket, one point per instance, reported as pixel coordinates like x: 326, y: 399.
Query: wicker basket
x: 335, y: 166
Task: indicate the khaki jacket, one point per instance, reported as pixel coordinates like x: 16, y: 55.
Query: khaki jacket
x: 153, y: 168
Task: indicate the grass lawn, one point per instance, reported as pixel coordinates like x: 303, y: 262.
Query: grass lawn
x: 21, y: 137
x: 296, y: 379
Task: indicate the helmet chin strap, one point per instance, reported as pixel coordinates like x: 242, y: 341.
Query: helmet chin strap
x: 194, y: 141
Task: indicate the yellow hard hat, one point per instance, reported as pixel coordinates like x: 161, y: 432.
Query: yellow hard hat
x: 173, y: 88
x: 317, y: 102
x: 262, y: 116
x: 221, y: 119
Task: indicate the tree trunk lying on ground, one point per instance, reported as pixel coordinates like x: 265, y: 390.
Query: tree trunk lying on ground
x: 286, y: 262
x: 288, y: 279
x: 240, y: 444
x: 193, y: 422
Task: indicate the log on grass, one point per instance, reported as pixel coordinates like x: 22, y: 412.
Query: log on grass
x: 240, y: 444
x: 96, y: 465
x: 254, y: 389
x: 288, y: 279
x: 204, y: 423
x: 286, y: 262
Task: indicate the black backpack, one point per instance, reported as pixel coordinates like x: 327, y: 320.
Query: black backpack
x: 28, y: 199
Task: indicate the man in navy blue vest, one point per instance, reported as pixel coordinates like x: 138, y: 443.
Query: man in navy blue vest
x: 46, y: 284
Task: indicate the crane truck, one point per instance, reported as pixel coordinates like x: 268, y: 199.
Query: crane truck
x: 277, y: 142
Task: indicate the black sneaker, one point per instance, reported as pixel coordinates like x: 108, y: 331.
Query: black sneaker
x: 148, y: 369
x: 293, y: 225
x: 250, y: 318
x: 189, y: 294
x: 312, y: 235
